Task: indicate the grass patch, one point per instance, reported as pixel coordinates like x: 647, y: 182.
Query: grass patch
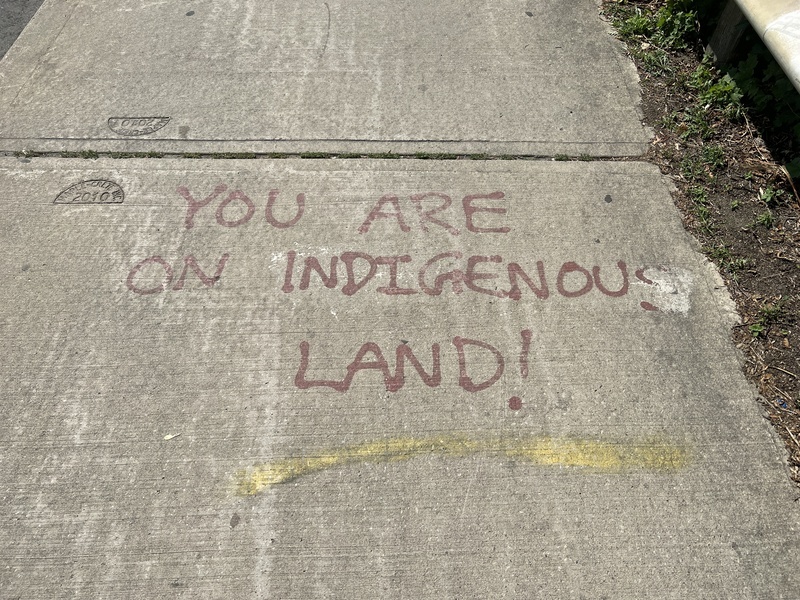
x: 768, y: 314
x: 725, y: 260
x: 766, y: 219
x: 713, y: 156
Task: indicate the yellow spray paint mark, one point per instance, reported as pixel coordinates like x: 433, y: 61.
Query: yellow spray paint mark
x: 590, y: 454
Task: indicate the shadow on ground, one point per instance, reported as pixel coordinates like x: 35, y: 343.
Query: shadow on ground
x: 14, y: 16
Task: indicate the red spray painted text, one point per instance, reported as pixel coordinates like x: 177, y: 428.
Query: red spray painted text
x: 481, y: 352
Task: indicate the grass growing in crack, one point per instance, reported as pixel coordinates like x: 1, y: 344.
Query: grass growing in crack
x: 432, y: 155
x: 233, y: 155
x: 123, y: 155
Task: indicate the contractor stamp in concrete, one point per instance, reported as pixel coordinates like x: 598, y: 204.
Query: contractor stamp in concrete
x: 402, y: 76
x: 373, y: 379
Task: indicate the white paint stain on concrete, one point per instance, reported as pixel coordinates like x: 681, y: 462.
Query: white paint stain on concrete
x: 670, y: 289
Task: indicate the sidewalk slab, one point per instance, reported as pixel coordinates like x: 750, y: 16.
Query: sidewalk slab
x: 201, y: 394
x: 505, y: 77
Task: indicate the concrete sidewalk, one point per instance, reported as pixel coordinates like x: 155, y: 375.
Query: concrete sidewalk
x: 503, y: 77
x: 348, y: 378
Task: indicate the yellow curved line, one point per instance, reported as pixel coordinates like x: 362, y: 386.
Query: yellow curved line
x: 569, y: 452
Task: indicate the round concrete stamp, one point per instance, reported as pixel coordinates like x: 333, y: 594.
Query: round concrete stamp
x: 136, y: 126
x: 94, y: 191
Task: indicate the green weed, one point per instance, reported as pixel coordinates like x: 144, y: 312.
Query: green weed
x: 715, y: 90
x: 766, y: 219
x: 701, y: 208
x: 737, y: 264
x: 672, y: 27
x: 719, y: 253
x: 699, y: 195
x: 654, y: 60
x: 769, y: 195
x: 768, y: 314
x: 692, y: 169
x: 714, y: 156
x: 639, y: 24
x: 695, y: 122
x: 723, y: 256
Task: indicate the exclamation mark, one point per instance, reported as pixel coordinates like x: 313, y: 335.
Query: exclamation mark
x: 515, y: 402
x: 527, y: 334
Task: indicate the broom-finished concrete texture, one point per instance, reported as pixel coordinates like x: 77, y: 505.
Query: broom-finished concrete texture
x: 402, y: 76
x: 202, y: 393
